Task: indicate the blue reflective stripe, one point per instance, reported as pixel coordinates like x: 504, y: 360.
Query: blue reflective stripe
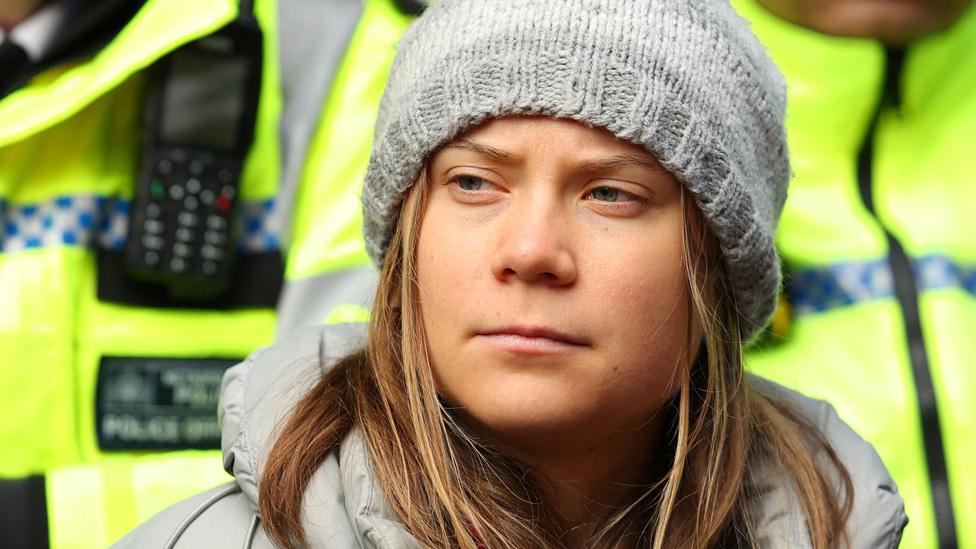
x: 842, y: 284
x: 941, y: 272
x: 87, y: 220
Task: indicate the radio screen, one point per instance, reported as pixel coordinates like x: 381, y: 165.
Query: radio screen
x: 214, y: 85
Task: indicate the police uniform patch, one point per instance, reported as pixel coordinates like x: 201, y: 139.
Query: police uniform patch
x: 159, y: 403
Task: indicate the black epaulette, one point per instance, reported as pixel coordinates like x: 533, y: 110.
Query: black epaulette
x: 411, y: 7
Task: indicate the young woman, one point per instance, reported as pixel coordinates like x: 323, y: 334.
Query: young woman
x: 573, y: 205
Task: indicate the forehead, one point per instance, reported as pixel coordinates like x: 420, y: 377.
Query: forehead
x: 529, y: 135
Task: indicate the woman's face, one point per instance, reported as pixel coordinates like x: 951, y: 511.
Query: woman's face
x: 551, y: 280
x: 895, y: 22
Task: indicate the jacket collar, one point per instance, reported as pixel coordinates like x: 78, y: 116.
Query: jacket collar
x: 158, y: 28
x: 345, y: 507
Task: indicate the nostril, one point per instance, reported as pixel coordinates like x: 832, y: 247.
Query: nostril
x: 536, y: 254
x: 529, y: 275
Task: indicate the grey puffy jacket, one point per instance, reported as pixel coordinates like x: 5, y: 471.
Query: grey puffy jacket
x: 344, y: 507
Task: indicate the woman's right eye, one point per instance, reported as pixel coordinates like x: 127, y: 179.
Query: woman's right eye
x: 473, y: 190
x: 470, y: 183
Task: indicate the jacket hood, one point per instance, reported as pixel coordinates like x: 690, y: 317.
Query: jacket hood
x: 344, y: 506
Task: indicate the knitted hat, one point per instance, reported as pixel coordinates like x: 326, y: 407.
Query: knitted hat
x: 685, y: 79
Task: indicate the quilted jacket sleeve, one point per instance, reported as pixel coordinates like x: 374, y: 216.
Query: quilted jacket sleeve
x: 878, y: 512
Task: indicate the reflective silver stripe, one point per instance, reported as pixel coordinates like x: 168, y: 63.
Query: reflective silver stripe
x: 307, y: 301
x: 313, y: 38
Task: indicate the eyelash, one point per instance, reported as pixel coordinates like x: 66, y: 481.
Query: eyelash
x: 623, y: 202
x: 622, y: 197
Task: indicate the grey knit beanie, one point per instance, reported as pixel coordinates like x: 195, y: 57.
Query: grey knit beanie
x: 685, y: 79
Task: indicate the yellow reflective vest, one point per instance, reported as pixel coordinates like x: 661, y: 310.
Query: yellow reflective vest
x: 877, y: 243
x: 69, y: 153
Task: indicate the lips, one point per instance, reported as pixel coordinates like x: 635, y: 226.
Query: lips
x: 533, y: 336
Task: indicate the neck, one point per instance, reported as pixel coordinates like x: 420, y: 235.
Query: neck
x: 13, y: 12
x: 585, y: 486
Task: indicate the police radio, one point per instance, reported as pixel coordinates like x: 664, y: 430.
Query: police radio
x: 199, y: 118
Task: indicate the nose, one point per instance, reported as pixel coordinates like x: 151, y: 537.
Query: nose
x: 535, y: 247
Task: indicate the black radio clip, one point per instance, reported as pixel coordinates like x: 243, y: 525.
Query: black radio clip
x: 199, y: 116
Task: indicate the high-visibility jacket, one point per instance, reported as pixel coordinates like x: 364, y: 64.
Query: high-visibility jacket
x: 877, y: 239
x: 69, y: 151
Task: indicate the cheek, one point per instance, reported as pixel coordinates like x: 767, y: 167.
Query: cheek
x: 646, y: 281
x: 447, y: 269
x: 431, y: 271
x: 648, y: 310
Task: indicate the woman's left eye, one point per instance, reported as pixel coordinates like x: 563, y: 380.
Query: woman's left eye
x: 607, y: 194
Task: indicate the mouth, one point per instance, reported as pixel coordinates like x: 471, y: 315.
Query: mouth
x: 532, y: 340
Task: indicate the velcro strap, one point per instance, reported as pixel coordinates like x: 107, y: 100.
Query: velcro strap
x: 256, y: 282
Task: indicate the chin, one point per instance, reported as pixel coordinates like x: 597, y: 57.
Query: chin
x: 514, y: 421
x: 899, y: 22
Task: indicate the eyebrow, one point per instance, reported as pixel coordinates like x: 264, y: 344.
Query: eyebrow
x: 619, y: 161
x: 589, y: 166
x: 484, y: 150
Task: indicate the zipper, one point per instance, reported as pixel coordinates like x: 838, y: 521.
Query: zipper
x: 906, y: 291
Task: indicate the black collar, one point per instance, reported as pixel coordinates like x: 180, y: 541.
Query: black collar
x: 411, y: 7
x: 88, y: 26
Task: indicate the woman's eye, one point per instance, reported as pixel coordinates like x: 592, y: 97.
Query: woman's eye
x: 606, y: 194
x: 470, y: 183
x: 471, y: 189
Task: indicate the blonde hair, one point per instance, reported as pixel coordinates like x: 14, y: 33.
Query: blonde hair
x: 450, y: 489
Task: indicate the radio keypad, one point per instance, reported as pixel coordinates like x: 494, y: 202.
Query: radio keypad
x: 186, y: 222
